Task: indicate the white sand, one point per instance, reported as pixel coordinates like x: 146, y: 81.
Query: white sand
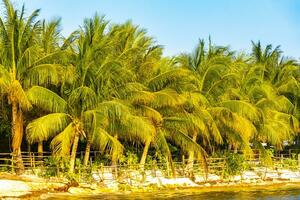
x: 11, y: 188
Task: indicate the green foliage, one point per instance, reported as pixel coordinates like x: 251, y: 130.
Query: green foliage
x: 54, y: 167
x: 109, y: 87
x: 130, y: 158
x: 235, y: 164
x: 290, y: 163
x: 265, y: 157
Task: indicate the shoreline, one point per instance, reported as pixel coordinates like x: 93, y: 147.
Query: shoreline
x: 268, y: 186
x: 38, y: 188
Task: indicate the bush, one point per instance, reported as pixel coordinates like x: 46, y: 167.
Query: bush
x: 53, y: 166
x: 235, y: 164
x: 265, y: 157
x: 130, y: 158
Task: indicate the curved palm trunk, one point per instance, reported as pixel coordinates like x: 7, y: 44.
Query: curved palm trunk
x: 145, y: 152
x: 17, y: 136
x: 114, y: 158
x: 192, y: 153
x: 73, y: 154
x: 87, y: 152
x: 40, y: 150
x: 114, y: 163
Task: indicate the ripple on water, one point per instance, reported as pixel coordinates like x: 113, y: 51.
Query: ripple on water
x: 285, y: 194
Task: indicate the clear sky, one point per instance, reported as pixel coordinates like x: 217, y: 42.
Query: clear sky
x: 178, y: 24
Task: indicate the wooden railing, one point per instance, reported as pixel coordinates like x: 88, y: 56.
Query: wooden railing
x: 34, y: 162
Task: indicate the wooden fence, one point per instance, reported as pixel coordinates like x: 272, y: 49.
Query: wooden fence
x: 34, y: 162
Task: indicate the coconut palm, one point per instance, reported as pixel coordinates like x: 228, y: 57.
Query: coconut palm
x: 217, y: 73
x: 160, y: 99
x: 24, y: 63
x: 98, y: 117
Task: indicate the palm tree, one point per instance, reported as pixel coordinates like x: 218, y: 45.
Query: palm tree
x: 159, y: 101
x: 87, y: 113
x: 24, y: 63
x: 217, y: 74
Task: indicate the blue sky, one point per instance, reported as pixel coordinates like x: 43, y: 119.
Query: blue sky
x: 178, y: 24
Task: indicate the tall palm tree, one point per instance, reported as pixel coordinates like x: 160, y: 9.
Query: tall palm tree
x: 215, y: 69
x: 24, y: 63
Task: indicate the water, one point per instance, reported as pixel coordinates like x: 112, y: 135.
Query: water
x: 186, y: 194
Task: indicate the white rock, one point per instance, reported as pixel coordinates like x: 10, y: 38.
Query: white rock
x: 213, y: 177
x: 177, y: 182
x: 199, y: 179
x: 107, y: 176
x: 207, y: 184
x: 289, y: 175
x: 237, y: 178
x: 250, y: 175
x: 272, y: 175
x: 96, y: 177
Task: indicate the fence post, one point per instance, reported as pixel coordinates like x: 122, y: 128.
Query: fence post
x: 168, y: 173
x: 30, y: 157
x: 12, y: 163
x: 299, y: 160
x: 33, y: 160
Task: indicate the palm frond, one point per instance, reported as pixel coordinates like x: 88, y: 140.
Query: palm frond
x: 244, y: 109
x: 104, y: 141
x: 61, y: 143
x: 16, y: 93
x: 46, y: 99
x: 46, y: 127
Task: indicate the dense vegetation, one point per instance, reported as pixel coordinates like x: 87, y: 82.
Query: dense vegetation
x: 107, y: 87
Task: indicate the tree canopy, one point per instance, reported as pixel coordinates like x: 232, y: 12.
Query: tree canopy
x: 108, y: 87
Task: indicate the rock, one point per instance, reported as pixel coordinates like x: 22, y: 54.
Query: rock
x: 213, y: 177
x: 237, y: 178
x: 96, y: 177
x: 107, y: 176
x: 199, y: 179
x: 250, y: 175
x: 111, y: 184
x: 272, y: 175
x: 207, y: 184
x: 288, y: 175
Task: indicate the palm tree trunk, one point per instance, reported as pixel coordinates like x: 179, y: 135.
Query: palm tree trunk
x: 73, y: 154
x: 192, y: 153
x: 40, y: 150
x: 114, y: 163
x: 17, y: 136
x: 114, y: 158
x: 145, y: 152
x: 87, y: 153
